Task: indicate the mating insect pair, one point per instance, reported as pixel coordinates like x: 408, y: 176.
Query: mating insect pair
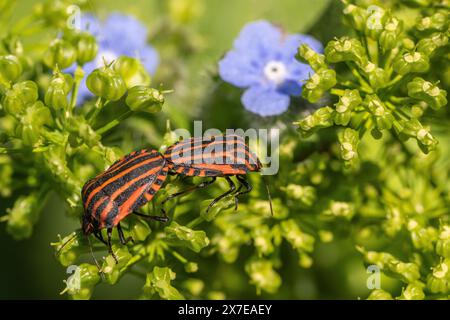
x: 134, y: 180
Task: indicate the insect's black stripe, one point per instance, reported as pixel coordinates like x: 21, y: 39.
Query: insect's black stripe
x: 112, y: 186
x: 109, y: 173
x: 122, y: 197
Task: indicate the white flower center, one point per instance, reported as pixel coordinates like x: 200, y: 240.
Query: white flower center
x: 105, y: 57
x: 275, y: 71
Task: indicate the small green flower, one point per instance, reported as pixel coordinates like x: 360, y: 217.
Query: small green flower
x: 159, y: 282
x: 345, y: 49
x: 426, y: 91
x: 349, y: 141
x: 60, y: 54
x: 347, y: 102
x: 411, y: 62
x: 132, y: 72
x: 58, y: 91
x: 413, y: 128
x: 19, y: 97
x: 263, y: 276
x: 142, y: 98
x: 379, y: 294
x: 86, y: 47
x: 437, y: 22
x: 443, y: 242
x: 413, y: 291
x: 111, y: 269
x: 390, y: 34
x: 315, y: 87
x: 356, y: 16
x: 305, y: 195
x: 307, y: 55
x: 106, y: 83
x: 10, y: 69
x: 296, y: 237
x: 36, y: 117
x: 194, y: 240
x: 382, y: 117
x: 262, y: 238
x: 430, y: 44
x: 322, y: 118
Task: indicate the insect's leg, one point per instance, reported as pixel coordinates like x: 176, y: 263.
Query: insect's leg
x: 193, y: 188
x: 99, y: 236
x: 122, y: 236
x: 156, y: 218
x: 248, y: 187
x: 109, y: 234
x: 232, y: 189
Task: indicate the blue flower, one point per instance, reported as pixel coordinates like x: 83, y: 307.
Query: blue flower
x: 119, y: 35
x: 263, y: 61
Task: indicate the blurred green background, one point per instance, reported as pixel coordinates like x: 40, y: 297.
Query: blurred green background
x: 28, y: 268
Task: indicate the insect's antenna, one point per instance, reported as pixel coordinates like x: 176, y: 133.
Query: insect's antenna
x: 268, y: 194
x: 65, y: 243
x: 92, y: 252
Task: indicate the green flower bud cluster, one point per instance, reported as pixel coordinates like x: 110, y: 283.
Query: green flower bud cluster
x: 370, y: 73
x: 158, y: 282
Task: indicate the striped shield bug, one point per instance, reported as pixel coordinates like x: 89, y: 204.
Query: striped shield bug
x: 124, y: 187
x: 216, y: 156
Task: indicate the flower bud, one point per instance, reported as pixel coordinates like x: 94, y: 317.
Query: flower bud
x: 22, y: 216
x: 345, y: 49
x: 318, y: 84
x: 228, y: 244
x: 390, y: 35
x: 443, y: 243
x: 106, y: 83
x: 423, y: 90
x: 32, y: 122
x: 86, y: 47
x: 307, y: 55
x: 437, y: 22
x: 437, y: 282
x: 340, y: 209
x: 378, y: 77
x: 191, y: 267
x: 132, y: 72
x: 321, y: 118
x: 263, y: 276
x: 349, y: 140
x: 306, y: 195
x: 58, y: 91
x: 356, y: 16
x: 411, y: 62
x: 262, y: 239
x: 10, y: 69
x: 413, y: 128
x: 19, y: 97
x: 429, y: 45
x: 61, y: 53
x: 347, y: 102
x: 413, y: 291
x: 296, y: 237
x: 379, y: 294
x: 382, y: 116
x: 141, y: 98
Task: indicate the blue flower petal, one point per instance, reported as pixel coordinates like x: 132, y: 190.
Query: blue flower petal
x: 291, y: 87
x: 258, y: 39
x: 149, y: 58
x: 265, y: 101
x: 90, y: 23
x: 123, y: 33
x: 240, y: 70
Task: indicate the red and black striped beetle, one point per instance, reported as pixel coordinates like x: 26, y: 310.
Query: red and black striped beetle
x: 216, y: 156
x: 125, y: 186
